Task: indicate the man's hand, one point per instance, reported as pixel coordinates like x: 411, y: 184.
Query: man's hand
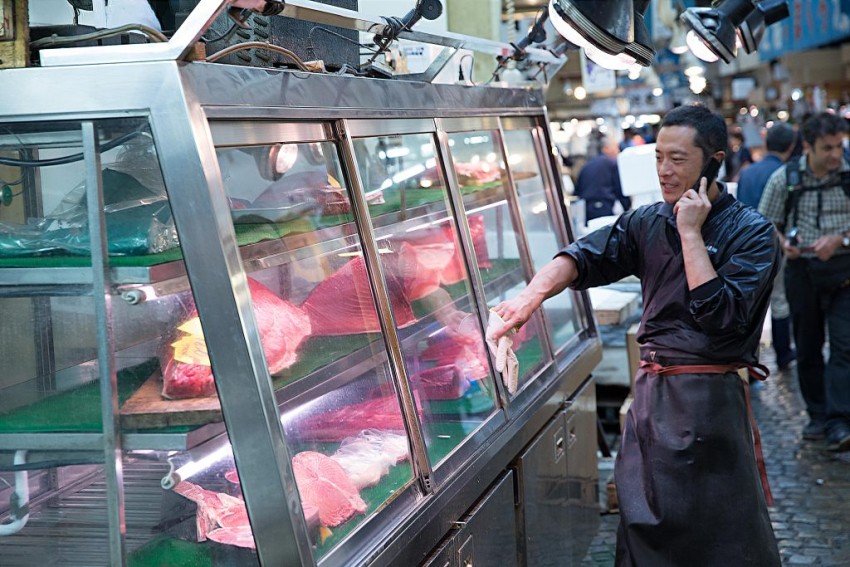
x: 515, y: 313
x: 791, y: 252
x: 692, y: 209
x: 825, y: 246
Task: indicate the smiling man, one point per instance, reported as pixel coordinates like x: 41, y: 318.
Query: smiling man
x: 689, y: 486
x: 809, y: 201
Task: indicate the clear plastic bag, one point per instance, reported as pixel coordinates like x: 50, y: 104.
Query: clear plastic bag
x: 138, y: 216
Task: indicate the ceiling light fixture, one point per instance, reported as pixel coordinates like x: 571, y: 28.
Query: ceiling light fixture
x: 601, y: 28
x: 678, y: 42
x: 641, y: 49
x: 752, y: 29
x: 713, y: 30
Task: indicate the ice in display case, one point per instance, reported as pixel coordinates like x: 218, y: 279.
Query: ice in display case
x: 245, y: 311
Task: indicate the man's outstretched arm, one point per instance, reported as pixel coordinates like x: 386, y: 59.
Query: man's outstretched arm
x: 552, y: 279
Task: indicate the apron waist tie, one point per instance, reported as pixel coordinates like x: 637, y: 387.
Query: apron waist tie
x: 758, y: 371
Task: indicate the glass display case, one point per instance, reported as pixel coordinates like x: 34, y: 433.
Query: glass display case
x: 245, y: 312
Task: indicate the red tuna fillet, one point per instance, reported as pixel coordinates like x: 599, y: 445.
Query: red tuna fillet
x: 382, y: 413
x: 282, y: 326
x: 322, y: 483
x: 441, y: 383
x: 419, y: 268
x: 455, y: 271
x: 479, y: 241
x: 343, y: 303
x: 436, y: 253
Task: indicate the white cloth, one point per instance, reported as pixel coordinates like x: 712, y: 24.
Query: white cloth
x: 506, y: 360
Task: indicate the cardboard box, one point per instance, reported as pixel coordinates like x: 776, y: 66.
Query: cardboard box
x: 612, y: 307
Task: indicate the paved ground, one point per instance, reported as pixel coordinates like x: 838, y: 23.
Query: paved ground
x: 811, y: 486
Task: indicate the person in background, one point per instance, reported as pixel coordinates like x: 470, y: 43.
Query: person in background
x: 631, y: 137
x: 706, y: 264
x: 599, y: 183
x: 809, y: 202
x: 780, y: 141
x: 739, y: 157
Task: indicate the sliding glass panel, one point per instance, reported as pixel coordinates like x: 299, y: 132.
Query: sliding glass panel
x: 479, y: 167
x: 540, y: 226
x: 441, y: 334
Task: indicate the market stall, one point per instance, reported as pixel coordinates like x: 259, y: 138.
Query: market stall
x: 244, y: 318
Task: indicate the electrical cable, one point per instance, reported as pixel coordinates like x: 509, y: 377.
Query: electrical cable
x: 69, y: 158
x: 152, y: 34
x: 257, y: 45
x: 224, y: 35
x: 471, y: 67
x: 339, y: 35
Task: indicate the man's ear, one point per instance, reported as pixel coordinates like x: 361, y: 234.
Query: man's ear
x: 720, y: 156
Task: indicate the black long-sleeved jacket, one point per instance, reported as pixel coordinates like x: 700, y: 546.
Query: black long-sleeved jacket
x: 718, y: 322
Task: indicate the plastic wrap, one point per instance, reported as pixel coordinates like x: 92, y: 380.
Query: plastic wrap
x: 138, y: 216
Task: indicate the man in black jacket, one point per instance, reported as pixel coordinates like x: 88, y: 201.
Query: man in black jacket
x: 599, y: 183
x: 687, y: 473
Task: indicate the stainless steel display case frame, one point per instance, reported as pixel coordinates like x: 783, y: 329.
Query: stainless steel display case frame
x: 191, y: 108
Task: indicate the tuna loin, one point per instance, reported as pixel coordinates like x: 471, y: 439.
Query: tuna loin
x: 343, y: 303
x: 382, y: 413
x: 282, y: 326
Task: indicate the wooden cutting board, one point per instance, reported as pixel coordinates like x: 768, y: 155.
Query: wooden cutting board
x: 147, y: 409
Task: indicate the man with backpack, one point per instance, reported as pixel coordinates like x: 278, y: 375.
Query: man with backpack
x: 808, y: 199
x: 780, y: 141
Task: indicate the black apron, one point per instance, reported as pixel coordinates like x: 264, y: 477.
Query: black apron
x: 682, y: 501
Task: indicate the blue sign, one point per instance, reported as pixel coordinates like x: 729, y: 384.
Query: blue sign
x: 812, y: 23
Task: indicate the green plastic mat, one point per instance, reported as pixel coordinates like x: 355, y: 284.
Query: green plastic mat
x: 246, y: 233
x: 76, y: 410
x: 317, y: 352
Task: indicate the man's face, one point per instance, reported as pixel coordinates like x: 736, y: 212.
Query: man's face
x: 678, y: 161
x: 825, y: 155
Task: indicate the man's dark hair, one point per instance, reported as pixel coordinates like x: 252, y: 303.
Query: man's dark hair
x: 780, y: 138
x: 822, y: 124
x: 710, y: 133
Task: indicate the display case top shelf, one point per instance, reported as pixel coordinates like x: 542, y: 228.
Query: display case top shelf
x: 262, y: 245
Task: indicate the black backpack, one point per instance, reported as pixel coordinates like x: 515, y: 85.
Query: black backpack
x: 794, y: 183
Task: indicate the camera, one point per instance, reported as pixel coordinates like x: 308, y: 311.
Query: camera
x: 793, y: 237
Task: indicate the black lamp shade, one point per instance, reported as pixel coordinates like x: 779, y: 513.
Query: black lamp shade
x: 641, y: 48
x: 752, y: 29
x: 716, y: 27
x: 607, y: 26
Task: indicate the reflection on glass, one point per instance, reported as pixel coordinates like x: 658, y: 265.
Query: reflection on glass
x: 540, y: 228
x: 442, y: 337
x: 202, y: 513
x: 479, y: 167
x: 320, y: 331
x: 284, y: 189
